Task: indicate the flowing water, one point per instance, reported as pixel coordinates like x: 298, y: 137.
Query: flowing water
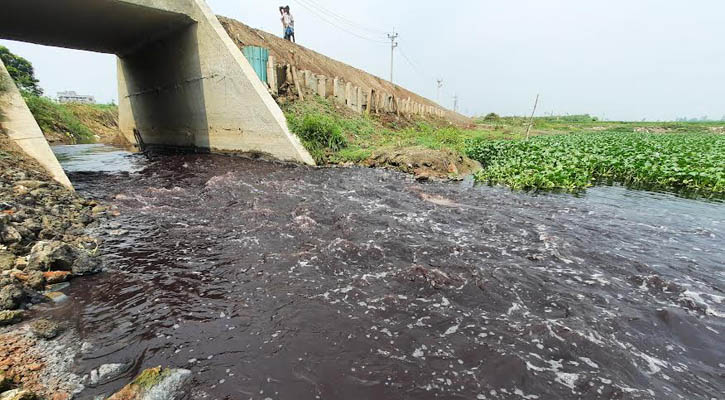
x: 272, y: 281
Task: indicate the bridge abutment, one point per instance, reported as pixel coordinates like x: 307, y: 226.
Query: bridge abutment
x: 181, y: 80
x: 194, y: 87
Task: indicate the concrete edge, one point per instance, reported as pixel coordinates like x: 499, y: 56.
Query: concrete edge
x: 21, y: 127
x: 302, y: 154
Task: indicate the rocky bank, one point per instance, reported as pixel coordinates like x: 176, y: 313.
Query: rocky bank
x: 43, y: 245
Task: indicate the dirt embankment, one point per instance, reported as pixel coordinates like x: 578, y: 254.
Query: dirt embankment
x: 424, y: 163
x: 286, y: 52
x: 101, y: 120
x: 96, y: 123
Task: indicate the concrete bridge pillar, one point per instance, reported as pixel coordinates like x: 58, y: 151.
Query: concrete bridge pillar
x: 322, y: 86
x: 358, y: 100
x: 272, y: 75
x: 349, y: 95
x: 337, y: 91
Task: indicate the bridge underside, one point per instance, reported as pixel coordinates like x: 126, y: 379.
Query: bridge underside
x: 182, y: 81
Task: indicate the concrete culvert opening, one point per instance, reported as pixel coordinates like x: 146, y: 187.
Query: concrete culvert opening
x: 181, y: 80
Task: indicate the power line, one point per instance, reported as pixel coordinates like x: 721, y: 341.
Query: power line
x: 322, y: 17
x: 412, y: 65
x: 343, y: 19
x: 348, y: 26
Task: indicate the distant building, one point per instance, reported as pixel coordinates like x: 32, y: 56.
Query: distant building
x: 73, y: 97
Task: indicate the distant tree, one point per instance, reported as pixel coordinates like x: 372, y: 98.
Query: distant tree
x: 491, y: 117
x: 723, y: 118
x: 21, y: 70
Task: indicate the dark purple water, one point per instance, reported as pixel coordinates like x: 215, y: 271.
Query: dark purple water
x: 272, y: 281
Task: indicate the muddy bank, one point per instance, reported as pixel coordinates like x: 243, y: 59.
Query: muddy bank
x: 43, y: 245
x: 424, y: 163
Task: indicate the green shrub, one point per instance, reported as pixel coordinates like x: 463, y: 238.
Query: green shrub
x: 320, y: 134
x: 54, y: 117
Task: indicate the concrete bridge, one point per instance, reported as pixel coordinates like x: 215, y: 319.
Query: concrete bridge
x: 181, y: 80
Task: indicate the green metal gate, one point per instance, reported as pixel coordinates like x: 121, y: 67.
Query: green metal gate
x: 257, y: 56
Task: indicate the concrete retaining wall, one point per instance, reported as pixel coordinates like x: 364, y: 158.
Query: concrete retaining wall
x: 358, y: 99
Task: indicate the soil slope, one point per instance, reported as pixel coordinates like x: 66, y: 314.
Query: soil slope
x: 286, y: 52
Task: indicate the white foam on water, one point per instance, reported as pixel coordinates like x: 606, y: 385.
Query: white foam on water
x: 453, y: 329
x: 567, y: 379
x: 589, y: 362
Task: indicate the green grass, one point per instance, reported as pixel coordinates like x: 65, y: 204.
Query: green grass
x: 684, y: 162
x: 54, y: 117
x: 321, y: 130
x: 318, y: 122
x: 427, y: 135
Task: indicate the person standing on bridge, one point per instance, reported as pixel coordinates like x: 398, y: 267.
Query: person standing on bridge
x: 288, y: 23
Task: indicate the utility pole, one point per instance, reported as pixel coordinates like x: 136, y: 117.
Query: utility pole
x: 455, y: 103
x: 393, y: 45
x: 439, y: 83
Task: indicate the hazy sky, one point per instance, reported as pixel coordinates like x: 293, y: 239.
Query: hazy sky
x: 619, y: 59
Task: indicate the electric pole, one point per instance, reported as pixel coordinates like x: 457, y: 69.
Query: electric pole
x: 439, y: 83
x: 393, y: 45
x: 455, y: 103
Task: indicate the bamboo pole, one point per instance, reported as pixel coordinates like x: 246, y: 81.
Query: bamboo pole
x: 531, y: 120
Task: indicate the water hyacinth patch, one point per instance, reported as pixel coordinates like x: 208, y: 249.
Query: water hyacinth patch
x: 692, y: 164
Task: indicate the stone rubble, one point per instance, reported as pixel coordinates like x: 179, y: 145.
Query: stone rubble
x: 43, y: 244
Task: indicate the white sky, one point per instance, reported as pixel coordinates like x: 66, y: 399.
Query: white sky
x: 619, y: 59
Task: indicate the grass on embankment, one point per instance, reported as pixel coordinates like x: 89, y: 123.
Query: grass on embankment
x: 69, y: 123
x: 334, y: 134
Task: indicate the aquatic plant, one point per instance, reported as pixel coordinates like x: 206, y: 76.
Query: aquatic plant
x: 686, y: 163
